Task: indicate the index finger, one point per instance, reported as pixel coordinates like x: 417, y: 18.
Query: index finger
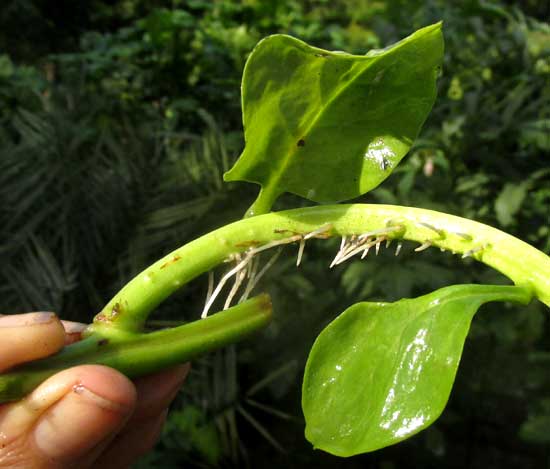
x: 27, y: 337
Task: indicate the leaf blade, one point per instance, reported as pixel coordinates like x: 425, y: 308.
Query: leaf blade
x: 382, y: 372
x: 331, y: 126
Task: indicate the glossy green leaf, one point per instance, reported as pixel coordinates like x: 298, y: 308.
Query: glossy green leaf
x: 382, y: 372
x: 331, y: 126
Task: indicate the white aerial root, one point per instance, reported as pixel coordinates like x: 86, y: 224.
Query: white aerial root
x: 431, y: 227
x: 353, y: 248
x: 363, y: 243
x: 464, y: 236
x: 247, y: 267
x: 473, y: 251
x: 398, y: 248
x: 238, y: 280
x: 343, y: 242
x: 251, y: 274
x: 253, y: 281
x: 277, y: 242
x: 300, y: 252
x: 341, y: 251
x: 240, y: 265
x: 210, y: 286
x: 323, y: 232
x: 425, y: 245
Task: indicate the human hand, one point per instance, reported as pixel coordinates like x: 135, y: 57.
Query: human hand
x: 86, y: 416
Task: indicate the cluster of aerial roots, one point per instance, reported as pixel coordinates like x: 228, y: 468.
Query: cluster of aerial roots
x: 246, y: 269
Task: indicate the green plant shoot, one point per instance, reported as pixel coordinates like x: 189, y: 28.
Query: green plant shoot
x: 331, y: 126
x: 327, y: 126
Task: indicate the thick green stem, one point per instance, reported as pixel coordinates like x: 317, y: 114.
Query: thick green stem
x: 522, y: 263
x: 114, y: 338
x: 140, y: 354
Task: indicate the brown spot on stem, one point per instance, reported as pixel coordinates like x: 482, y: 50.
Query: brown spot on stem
x: 247, y: 244
x: 117, y: 309
x: 102, y: 342
x: 265, y: 303
x: 294, y: 233
x: 301, y: 142
x: 176, y: 258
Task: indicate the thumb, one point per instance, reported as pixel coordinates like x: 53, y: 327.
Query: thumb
x: 67, y: 420
x: 26, y: 337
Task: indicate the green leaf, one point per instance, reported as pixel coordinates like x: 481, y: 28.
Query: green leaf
x: 509, y: 202
x: 382, y: 372
x: 536, y: 133
x: 330, y: 126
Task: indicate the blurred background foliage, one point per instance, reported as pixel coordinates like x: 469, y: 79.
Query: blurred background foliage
x: 118, y: 120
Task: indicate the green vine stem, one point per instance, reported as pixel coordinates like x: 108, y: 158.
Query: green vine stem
x: 115, y: 337
x: 522, y: 263
x: 142, y: 353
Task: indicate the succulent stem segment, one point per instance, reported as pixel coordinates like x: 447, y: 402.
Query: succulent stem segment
x: 115, y: 338
x: 522, y: 263
x: 138, y: 354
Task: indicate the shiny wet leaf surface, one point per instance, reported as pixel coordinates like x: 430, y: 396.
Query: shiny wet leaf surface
x: 330, y: 126
x: 381, y: 372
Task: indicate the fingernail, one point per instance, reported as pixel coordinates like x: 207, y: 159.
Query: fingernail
x: 74, y: 327
x: 98, y: 400
x: 28, y: 319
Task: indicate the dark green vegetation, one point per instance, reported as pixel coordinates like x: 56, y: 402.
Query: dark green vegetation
x: 109, y: 160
